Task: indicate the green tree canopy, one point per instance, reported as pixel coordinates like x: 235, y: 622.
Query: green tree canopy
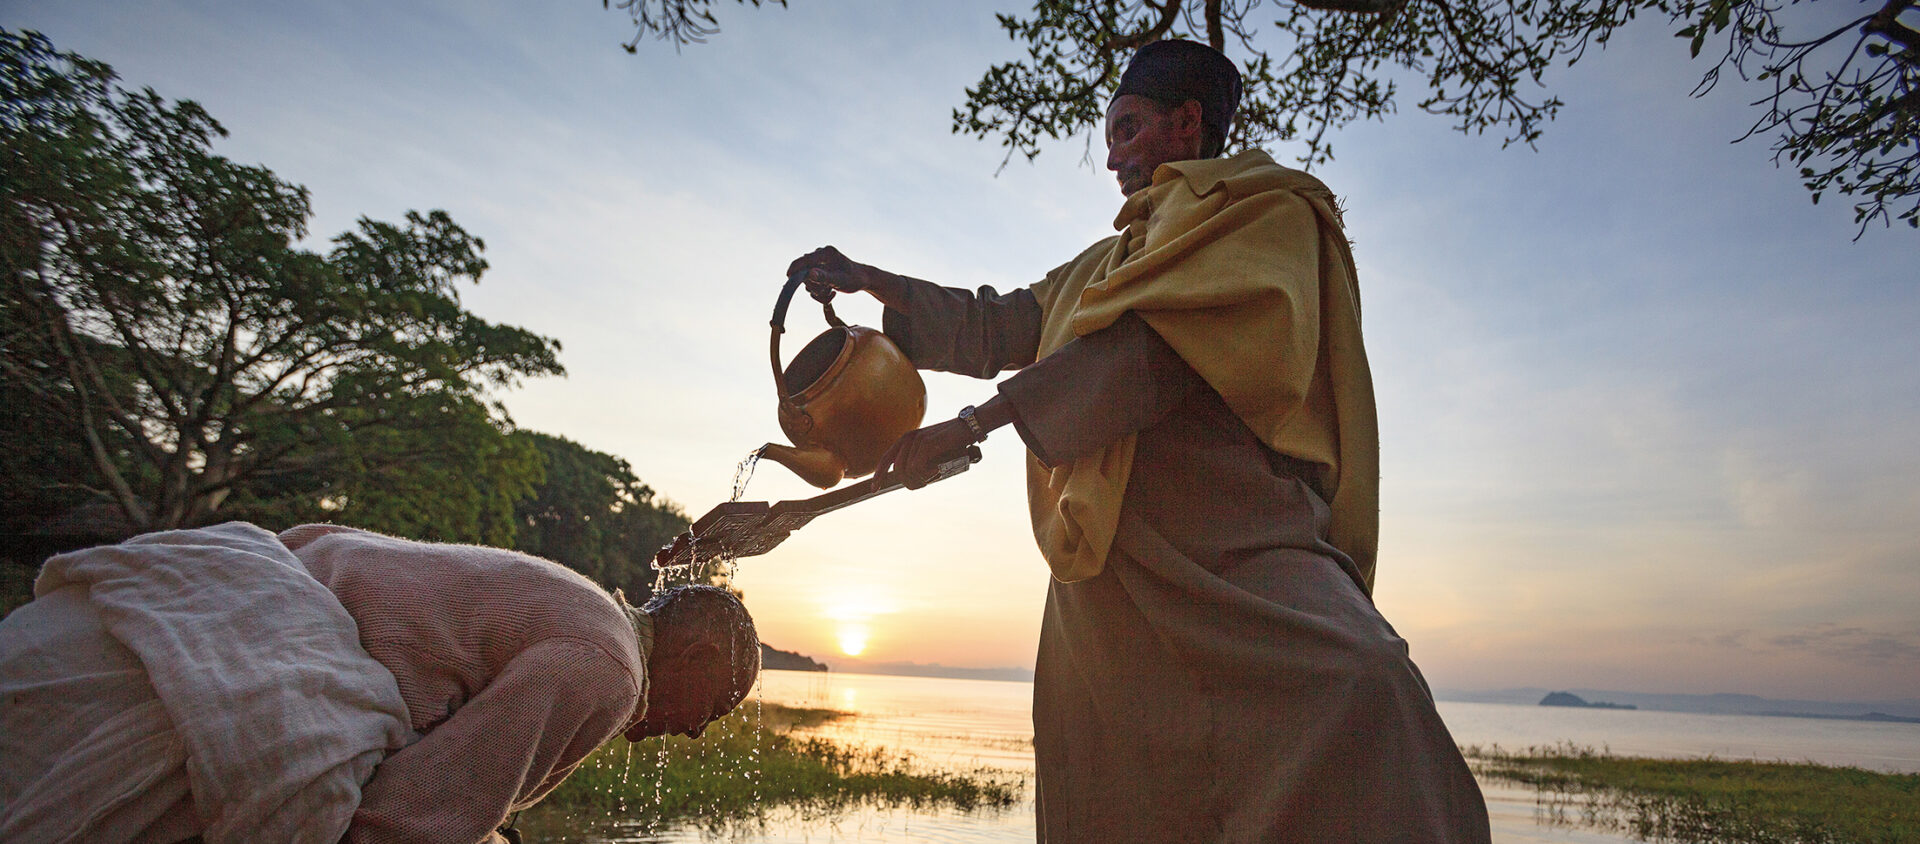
x: 454, y: 472
x: 592, y: 515
x: 1838, y: 90
x: 160, y: 317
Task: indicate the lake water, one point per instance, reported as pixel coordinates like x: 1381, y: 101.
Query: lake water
x: 973, y: 723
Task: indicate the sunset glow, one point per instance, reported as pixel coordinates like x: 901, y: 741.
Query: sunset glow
x: 853, y: 639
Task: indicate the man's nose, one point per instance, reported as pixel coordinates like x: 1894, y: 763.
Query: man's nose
x: 1113, y: 158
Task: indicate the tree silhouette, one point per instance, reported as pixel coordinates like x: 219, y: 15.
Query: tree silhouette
x: 157, y: 313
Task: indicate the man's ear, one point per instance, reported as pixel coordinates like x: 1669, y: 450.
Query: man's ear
x: 704, y: 651
x: 1187, y: 121
x: 698, y: 659
x: 708, y: 671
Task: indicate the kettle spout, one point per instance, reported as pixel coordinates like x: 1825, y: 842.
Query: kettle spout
x: 816, y: 465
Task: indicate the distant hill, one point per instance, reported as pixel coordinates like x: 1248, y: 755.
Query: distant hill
x: 1871, y: 716
x: 924, y: 669
x: 772, y: 657
x: 1571, y: 699
x: 1718, y: 704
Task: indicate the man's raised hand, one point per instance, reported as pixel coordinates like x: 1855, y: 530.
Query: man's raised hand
x: 827, y: 271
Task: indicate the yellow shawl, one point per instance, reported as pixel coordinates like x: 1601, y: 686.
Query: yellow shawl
x: 1242, y: 266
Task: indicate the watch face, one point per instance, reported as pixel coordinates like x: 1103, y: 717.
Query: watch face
x: 966, y: 415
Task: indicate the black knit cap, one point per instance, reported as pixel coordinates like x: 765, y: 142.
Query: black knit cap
x: 1172, y: 72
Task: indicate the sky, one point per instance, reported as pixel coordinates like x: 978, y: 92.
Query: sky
x: 1650, y: 419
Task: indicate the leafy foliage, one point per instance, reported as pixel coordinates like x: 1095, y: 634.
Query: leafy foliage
x: 159, y: 317
x: 47, y: 470
x: 1329, y: 67
x: 1844, y: 105
x: 592, y: 515
x: 457, y: 479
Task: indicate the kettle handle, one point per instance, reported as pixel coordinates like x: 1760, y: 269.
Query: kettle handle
x: 779, y: 324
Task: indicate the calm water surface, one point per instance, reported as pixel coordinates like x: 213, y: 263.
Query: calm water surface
x: 973, y: 723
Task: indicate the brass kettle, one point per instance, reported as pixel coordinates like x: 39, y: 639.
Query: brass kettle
x: 844, y: 400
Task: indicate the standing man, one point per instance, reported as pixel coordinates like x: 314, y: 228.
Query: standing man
x: 1203, y: 481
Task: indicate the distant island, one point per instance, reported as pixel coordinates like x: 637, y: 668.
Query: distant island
x: 1871, y: 716
x: 1571, y: 699
x: 772, y: 657
x: 1901, y: 711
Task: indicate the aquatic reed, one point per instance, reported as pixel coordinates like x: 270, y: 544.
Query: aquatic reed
x: 1712, y: 801
x: 748, y: 763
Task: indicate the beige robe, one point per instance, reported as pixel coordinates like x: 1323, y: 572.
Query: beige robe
x: 1225, y: 675
x: 1242, y: 267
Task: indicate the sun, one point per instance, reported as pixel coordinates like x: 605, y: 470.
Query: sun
x: 853, y: 639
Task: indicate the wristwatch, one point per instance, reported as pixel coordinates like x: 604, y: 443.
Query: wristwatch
x: 966, y: 415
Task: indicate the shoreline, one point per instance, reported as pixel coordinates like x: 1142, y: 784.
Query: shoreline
x: 1712, y: 800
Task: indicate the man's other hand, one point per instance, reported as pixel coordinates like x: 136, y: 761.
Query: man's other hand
x: 916, y: 458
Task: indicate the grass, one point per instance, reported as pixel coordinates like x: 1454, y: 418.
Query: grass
x: 748, y: 763
x: 1715, y: 800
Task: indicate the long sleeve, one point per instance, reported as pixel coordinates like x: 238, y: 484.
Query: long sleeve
x: 979, y: 333
x: 504, y: 749
x: 1096, y: 389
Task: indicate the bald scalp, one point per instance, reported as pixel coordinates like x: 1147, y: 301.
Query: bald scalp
x: 709, y: 614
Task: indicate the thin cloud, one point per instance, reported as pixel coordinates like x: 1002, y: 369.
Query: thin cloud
x: 1853, y: 644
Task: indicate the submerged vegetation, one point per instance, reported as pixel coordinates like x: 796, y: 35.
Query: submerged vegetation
x: 748, y: 763
x: 1713, y: 801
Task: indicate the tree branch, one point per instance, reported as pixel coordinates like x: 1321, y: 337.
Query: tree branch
x: 1169, y: 12
x: 1886, y: 23
x: 1364, y: 7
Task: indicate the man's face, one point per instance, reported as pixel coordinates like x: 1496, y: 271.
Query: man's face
x: 1142, y: 135
x: 681, y: 714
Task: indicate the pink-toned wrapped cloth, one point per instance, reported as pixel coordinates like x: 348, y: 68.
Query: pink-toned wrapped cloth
x: 515, y: 668
x: 187, y: 682
x: 228, y: 683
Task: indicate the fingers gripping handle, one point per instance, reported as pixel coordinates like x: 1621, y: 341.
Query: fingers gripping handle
x: 779, y: 323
